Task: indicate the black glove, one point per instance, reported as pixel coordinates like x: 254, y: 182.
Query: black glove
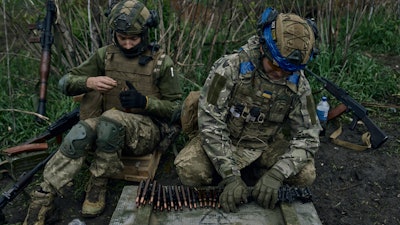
x: 132, y: 98
x: 266, y: 189
x: 234, y: 193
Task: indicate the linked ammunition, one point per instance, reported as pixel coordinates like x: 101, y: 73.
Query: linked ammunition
x: 167, y: 197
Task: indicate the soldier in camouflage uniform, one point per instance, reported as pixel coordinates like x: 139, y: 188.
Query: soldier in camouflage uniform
x: 247, y: 101
x: 129, y: 89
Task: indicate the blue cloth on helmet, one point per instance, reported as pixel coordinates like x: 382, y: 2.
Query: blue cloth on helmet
x: 246, y: 67
x: 267, y: 35
x: 294, y: 78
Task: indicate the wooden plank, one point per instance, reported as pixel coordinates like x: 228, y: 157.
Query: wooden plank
x: 250, y: 213
x: 139, y: 168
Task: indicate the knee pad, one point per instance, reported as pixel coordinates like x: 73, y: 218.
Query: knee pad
x: 78, y: 141
x: 110, y: 135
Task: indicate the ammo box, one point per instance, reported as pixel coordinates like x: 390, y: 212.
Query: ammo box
x: 139, y: 168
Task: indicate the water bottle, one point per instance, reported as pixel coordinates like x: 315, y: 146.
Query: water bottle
x: 76, y: 222
x: 322, y: 112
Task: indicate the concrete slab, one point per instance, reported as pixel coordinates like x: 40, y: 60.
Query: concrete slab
x: 296, y: 213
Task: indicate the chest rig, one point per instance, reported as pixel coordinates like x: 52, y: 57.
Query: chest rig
x: 258, y: 106
x: 143, y: 72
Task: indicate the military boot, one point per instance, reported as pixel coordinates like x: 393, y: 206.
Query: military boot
x: 95, y: 200
x: 40, y: 209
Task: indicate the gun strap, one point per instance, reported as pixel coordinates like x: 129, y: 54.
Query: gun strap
x: 366, y: 139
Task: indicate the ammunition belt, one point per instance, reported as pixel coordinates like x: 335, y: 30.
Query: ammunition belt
x: 174, y: 197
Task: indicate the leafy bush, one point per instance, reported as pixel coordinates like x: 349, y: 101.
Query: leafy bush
x: 195, y: 34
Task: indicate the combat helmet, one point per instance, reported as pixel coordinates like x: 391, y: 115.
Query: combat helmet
x: 131, y: 17
x: 287, y: 39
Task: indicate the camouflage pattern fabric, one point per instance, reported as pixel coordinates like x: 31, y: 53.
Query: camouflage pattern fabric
x: 131, y: 11
x: 195, y: 168
x: 141, y: 138
x: 74, y: 83
x: 233, y: 135
x: 141, y: 133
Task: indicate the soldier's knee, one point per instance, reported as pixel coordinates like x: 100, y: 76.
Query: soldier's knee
x: 110, y: 135
x: 305, y: 177
x: 192, y: 173
x: 193, y: 178
x: 78, y: 141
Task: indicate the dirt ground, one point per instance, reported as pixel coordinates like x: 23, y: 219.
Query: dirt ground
x: 352, y: 187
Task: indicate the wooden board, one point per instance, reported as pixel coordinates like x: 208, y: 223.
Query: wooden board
x: 296, y: 213
x: 139, y: 168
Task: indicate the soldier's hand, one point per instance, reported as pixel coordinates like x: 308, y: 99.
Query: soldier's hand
x: 132, y: 98
x: 101, y: 83
x: 266, y: 189
x: 235, y: 192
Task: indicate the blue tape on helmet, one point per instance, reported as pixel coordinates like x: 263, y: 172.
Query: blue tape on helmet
x: 282, y: 62
x: 273, y: 49
x: 246, y: 67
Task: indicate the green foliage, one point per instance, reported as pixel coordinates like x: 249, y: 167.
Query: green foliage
x: 379, y: 34
x: 362, y: 77
x: 194, y: 42
x: 21, y: 99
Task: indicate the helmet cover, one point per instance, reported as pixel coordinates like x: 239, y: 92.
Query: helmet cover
x: 288, y: 39
x: 129, y: 17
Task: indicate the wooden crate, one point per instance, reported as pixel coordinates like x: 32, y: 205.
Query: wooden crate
x: 139, y: 168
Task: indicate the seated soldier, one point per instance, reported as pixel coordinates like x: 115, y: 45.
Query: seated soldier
x: 128, y: 86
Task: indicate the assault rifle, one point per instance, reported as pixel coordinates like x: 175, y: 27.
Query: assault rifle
x: 46, y: 40
x: 57, y: 128
x: 378, y: 137
x: 54, y: 130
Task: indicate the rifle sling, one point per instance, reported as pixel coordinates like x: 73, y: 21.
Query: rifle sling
x: 366, y: 139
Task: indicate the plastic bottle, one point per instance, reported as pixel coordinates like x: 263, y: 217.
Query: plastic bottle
x: 76, y: 222
x: 322, y: 112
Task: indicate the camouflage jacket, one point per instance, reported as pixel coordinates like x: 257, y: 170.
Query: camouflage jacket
x: 162, y: 104
x: 241, y: 110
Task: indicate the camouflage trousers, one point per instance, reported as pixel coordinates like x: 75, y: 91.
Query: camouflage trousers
x: 194, y: 168
x: 141, y: 137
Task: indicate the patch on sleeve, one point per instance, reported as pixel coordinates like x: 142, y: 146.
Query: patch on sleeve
x: 217, y: 84
x: 311, y: 109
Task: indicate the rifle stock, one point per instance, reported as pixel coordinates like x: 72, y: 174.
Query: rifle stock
x: 378, y: 137
x: 46, y: 41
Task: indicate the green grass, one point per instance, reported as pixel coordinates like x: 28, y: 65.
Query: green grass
x: 361, y: 75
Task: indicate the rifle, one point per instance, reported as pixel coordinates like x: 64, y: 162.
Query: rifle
x: 63, y: 124
x: 378, y: 137
x: 57, y: 128
x: 46, y: 41
x: 20, y: 185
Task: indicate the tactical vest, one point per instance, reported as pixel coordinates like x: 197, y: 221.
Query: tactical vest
x: 143, y: 77
x: 258, y: 107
